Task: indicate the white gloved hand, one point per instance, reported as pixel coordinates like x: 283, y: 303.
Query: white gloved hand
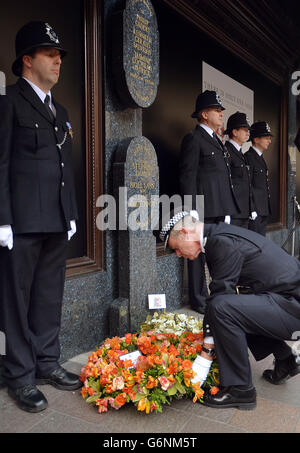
x: 6, y: 236
x: 73, y: 229
x: 227, y: 219
x: 253, y: 215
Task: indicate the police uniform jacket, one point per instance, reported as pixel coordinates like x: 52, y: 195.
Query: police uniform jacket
x: 204, y: 170
x: 237, y: 256
x: 241, y: 179
x: 37, y: 192
x: 260, y: 182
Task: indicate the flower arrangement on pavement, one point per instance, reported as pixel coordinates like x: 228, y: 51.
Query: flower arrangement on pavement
x: 160, y: 372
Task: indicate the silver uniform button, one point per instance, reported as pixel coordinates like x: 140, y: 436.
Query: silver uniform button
x: 56, y: 128
x: 36, y: 125
x: 62, y: 164
x: 63, y: 184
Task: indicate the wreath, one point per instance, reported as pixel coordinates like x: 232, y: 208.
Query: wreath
x: 149, y: 369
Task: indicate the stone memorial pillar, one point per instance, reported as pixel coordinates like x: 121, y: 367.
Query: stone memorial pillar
x: 135, y: 69
x: 136, y: 183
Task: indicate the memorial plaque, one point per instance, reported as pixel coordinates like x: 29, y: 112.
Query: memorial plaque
x: 136, y: 53
x: 136, y: 178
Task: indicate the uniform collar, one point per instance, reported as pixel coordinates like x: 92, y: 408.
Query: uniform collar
x: 257, y: 150
x: 207, y: 129
x: 39, y: 92
x: 235, y: 144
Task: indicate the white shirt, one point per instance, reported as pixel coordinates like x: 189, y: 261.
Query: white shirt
x: 41, y: 94
x: 235, y: 144
x: 257, y: 150
x: 207, y: 128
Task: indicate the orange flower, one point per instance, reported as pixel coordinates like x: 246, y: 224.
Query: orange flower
x: 121, y: 399
x: 90, y: 391
x: 109, y: 389
x: 173, y: 350
x: 214, y: 390
x: 142, y: 404
x: 199, y: 392
x: 102, y: 405
x: 187, y: 364
x: 83, y: 392
x: 190, y: 336
x: 153, y: 406
x: 157, y: 360
x: 151, y: 382
x: 139, y: 376
x: 142, y: 363
x: 128, y: 338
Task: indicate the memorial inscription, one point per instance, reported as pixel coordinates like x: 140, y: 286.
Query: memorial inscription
x: 136, y: 53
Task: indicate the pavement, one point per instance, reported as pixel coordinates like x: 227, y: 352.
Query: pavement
x: 278, y: 411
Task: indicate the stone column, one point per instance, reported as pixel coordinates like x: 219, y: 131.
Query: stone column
x: 136, y: 184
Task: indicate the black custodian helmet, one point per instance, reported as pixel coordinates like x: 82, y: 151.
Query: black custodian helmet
x: 32, y: 36
x: 207, y: 99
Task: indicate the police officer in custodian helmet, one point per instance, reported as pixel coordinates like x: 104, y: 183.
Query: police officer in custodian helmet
x: 38, y: 215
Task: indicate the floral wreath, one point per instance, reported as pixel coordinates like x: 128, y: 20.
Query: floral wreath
x: 161, y: 373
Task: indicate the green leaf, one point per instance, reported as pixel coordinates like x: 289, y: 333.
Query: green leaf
x: 172, y: 390
x: 92, y: 399
x: 180, y: 388
x: 139, y: 396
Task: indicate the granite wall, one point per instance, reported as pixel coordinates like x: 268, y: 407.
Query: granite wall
x: 87, y: 299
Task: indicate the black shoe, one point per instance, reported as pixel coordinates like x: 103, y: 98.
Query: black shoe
x: 232, y: 397
x: 29, y: 398
x: 199, y: 309
x: 283, y: 370
x: 61, y: 379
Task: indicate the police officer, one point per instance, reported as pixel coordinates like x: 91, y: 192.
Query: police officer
x: 233, y: 322
x: 37, y: 217
x: 238, y: 132
x: 204, y: 170
x: 260, y: 135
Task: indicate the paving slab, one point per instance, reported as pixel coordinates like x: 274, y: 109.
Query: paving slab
x: 201, y: 425
x: 268, y: 417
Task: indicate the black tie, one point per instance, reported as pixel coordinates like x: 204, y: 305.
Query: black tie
x: 217, y: 139
x: 47, y: 102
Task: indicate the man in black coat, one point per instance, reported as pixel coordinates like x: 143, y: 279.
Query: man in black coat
x: 238, y: 132
x: 37, y: 217
x: 261, y: 320
x: 260, y: 135
x: 204, y: 170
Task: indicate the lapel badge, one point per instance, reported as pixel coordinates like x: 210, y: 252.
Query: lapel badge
x: 70, y: 129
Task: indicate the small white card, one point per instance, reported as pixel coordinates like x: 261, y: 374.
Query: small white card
x: 133, y: 356
x: 157, y: 301
x: 195, y: 368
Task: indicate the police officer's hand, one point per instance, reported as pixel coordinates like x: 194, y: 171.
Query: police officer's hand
x: 6, y: 236
x: 253, y: 215
x: 73, y: 229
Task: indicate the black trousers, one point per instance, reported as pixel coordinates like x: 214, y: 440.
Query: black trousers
x: 241, y: 321
x: 243, y: 223
x: 32, y: 279
x: 198, y: 291
x: 259, y: 225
